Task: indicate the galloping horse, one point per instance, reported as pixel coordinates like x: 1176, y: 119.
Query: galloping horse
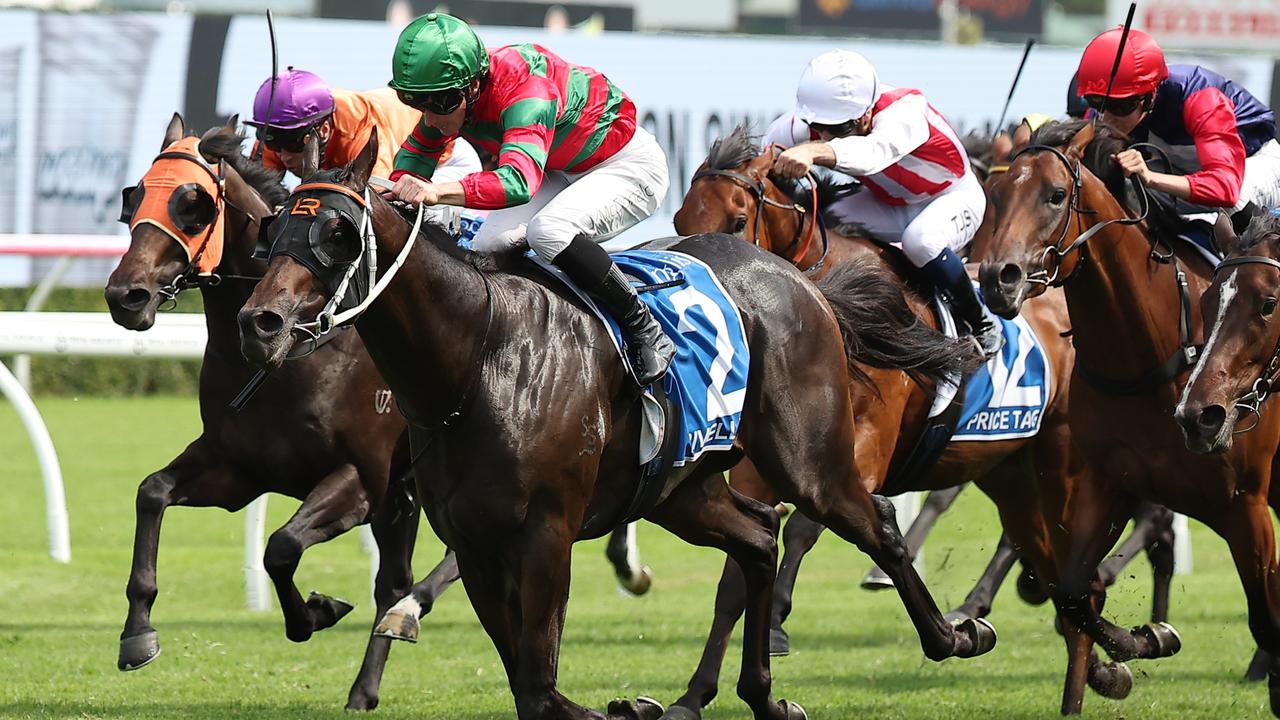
x: 524, y: 423
x: 1058, y: 217
x: 735, y: 192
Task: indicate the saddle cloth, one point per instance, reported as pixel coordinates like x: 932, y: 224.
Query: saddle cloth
x: 707, y: 381
x: 1005, y: 398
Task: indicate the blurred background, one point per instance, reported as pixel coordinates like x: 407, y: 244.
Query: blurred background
x: 87, y: 86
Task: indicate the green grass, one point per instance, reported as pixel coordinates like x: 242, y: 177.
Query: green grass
x: 855, y: 653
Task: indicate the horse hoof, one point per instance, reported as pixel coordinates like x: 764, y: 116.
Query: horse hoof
x: 138, y: 651
x: 779, y: 643
x: 793, y: 710
x: 639, y: 584
x: 1030, y: 589
x: 362, y: 701
x: 326, y: 611
x: 1111, y: 680
x: 680, y: 712
x: 642, y: 708
x: 876, y: 580
x: 1167, y: 640
x: 1258, y: 666
x: 982, y: 636
x: 398, y: 625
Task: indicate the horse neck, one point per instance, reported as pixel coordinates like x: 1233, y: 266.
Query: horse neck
x: 1124, y: 305
x: 425, y: 331
x: 222, y: 302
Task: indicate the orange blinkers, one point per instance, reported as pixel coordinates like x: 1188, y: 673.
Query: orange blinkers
x: 177, y: 171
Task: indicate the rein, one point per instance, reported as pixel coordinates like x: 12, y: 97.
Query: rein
x: 1184, y: 358
x: 1262, y: 388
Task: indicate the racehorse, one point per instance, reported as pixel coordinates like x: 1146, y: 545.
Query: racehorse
x: 327, y: 444
x: 734, y: 191
x: 1060, y: 217
x: 524, y: 425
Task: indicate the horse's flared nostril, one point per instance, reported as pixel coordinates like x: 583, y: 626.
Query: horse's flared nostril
x: 133, y: 299
x: 1210, y: 420
x: 1011, y: 275
x: 267, y: 323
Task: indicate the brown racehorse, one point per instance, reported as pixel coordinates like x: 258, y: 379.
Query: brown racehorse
x: 1058, y: 218
x: 734, y: 191
x: 525, y: 429
x: 337, y: 459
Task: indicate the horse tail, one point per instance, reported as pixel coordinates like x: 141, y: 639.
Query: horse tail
x: 881, y: 331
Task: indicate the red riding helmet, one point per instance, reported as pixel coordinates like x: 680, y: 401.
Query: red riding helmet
x: 1142, y: 65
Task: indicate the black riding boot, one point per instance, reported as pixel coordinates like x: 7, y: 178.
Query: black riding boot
x: 648, y: 347
x: 948, y: 274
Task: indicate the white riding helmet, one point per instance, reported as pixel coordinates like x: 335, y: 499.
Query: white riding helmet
x: 836, y: 86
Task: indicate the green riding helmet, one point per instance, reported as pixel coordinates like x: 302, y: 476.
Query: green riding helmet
x: 437, y: 52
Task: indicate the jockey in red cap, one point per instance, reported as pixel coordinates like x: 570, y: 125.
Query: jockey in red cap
x: 1236, y: 158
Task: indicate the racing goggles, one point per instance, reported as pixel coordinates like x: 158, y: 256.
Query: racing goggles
x: 286, y: 139
x: 841, y: 130
x: 441, y: 102
x: 1116, y: 106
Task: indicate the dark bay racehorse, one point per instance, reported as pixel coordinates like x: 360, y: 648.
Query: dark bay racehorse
x: 524, y: 423
x: 1059, y: 217
x: 734, y: 191
x: 332, y: 450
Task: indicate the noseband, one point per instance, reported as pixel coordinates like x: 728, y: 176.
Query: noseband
x: 1251, y: 402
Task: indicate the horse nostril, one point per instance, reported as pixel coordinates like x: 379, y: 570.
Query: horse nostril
x: 1010, y: 275
x: 267, y: 322
x: 1211, y: 418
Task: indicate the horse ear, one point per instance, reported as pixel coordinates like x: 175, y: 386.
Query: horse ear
x: 233, y: 123
x: 177, y: 128
x: 1081, y: 140
x: 362, y: 166
x: 310, y: 156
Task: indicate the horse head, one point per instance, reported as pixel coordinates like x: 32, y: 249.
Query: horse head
x: 734, y: 192
x: 192, y: 213
x: 1238, y: 367
x: 1057, y: 192
x: 317, y: 253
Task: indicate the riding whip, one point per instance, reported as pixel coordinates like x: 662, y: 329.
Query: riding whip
x: 1026, y: 51
x: 1115, y: 67
x: 271, y: 99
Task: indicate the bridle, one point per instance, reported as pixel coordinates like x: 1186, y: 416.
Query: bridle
x: 804, y: 238
x: 1262, y: 387
x: 1182, y: 359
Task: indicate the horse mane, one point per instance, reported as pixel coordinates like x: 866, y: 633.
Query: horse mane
x: 737, y: 148
x: 880, y: 330
x: 222, y: 144
x: 1262, y: 228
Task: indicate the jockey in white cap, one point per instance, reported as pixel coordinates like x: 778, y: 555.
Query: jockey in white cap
x: 920, y: 190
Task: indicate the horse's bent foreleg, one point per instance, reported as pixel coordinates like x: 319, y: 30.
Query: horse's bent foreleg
x: 634, y: 578
x: 935, y: 503
x: 195, y: 479
x: 335, y: 505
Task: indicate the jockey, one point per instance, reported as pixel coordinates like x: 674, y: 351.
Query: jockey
x: 341, y: 120
x: 1233, y: 134
x: 574, y: 169
x: 922, y: 191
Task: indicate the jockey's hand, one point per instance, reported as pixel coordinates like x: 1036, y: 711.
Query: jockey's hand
x: 414, y: 190
x: 1132, y: 163
x: 794, y: 162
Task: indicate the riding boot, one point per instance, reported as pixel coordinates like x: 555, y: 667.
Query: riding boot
x: 948, y: 274
x: 648, y: 347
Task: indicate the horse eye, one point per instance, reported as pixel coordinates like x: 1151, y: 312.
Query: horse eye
x: 1059, y: 194
x: 740, y: 223
x: 1268, y: 307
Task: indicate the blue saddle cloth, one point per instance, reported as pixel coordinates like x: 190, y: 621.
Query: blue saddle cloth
x: 1006, y: 398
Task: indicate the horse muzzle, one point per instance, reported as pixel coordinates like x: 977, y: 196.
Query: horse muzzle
x: 1207, y: 428
x: 266, y: 336
x: 133, y: 306
x: 1004, y: 287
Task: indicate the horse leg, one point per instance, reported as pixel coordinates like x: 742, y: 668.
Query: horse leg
x: 935, y: 503
x: 977, y: 604
x: 395, y: 528
x: 335, y: 505
x: 705, y: 512
x: 195, y: 479
x: 798, y: 537
x: 401, y: 622
x: 1247, y: 528
x: 623, y: 553
x: 1152, y: 532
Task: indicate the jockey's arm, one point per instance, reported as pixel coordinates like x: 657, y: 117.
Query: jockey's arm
x: 896, y: 132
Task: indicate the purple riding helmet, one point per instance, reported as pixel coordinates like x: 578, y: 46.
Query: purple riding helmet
x: 301, y: 100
